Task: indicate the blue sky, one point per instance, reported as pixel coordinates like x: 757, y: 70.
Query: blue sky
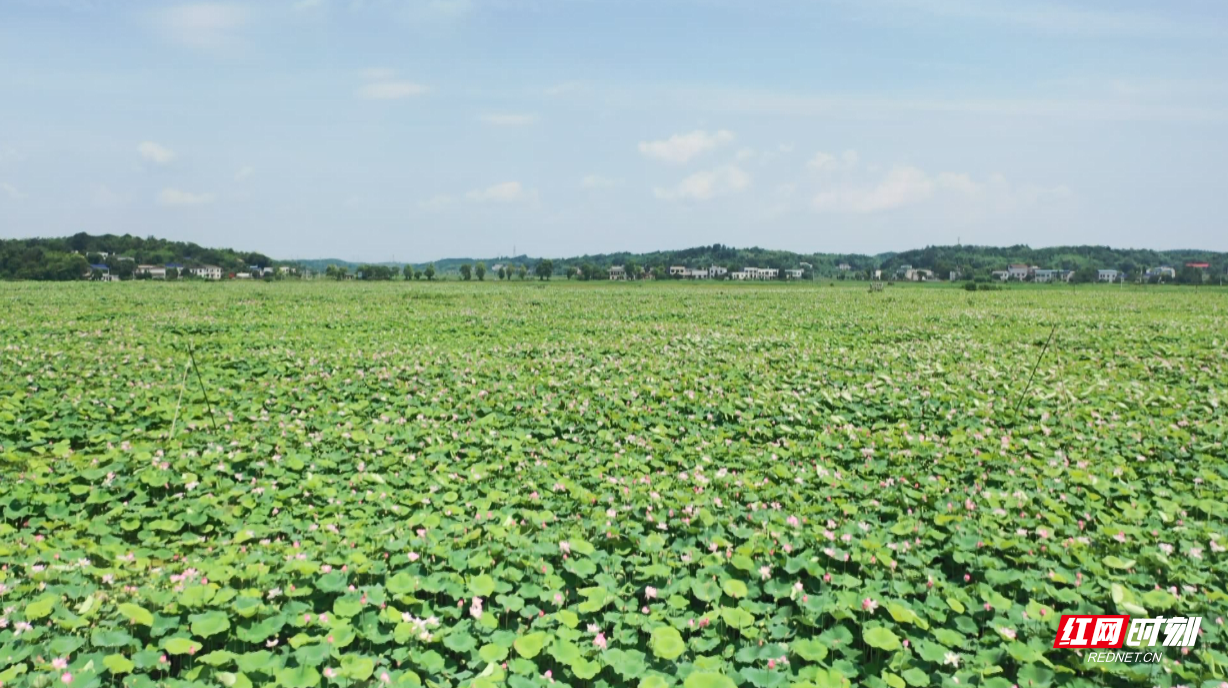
x: 422, y: 129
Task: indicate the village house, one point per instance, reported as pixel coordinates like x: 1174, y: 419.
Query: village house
x: 1002, y: 275
x: 618, y: 273
x: 1161, y: 272
x: 153, y: 271
x: 1052, y: 275
x: 761, y: 273
x: 717, y: 272
x: 678, y: 271
x: 209, y: 272
x: 794, y: 274
x: 1019, y: 271
x: 1106, y: 276
x: 844, y: 267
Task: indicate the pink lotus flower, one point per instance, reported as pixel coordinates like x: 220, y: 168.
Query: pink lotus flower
x: 869, y: 605
x: 650, y: 592
x: 66, y: 677
x: 329, y: 672
x: 600, y: 641
x: 60, y: 663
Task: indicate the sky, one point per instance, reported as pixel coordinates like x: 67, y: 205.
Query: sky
x: 413, y: 130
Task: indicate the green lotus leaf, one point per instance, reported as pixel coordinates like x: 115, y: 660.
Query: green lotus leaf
x: 734, y: 588
x: 708, y: 679
x: 881, y: 638
x: 667, y: 643
x: 118, y: 664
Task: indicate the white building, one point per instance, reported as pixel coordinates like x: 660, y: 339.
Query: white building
x: 1106, y: 275
x: 618, y: 273
x: 794, y: 274
x: 154, y: 271
x: 1018, y: 272
x: 677, y: 271
x: 844, y: 267
x: 717, y: 272
x: 1001, y: 275
x: 209, y: 272
x: 243, y: 275
x: 1051, y: 276
x: 761, y: 273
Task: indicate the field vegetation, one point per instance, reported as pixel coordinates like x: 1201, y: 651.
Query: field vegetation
x: 552, y: 485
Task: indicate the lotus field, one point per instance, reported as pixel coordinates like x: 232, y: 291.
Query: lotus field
x: 605, y: 485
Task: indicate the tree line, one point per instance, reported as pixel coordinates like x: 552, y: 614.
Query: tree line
x: 70, y: 258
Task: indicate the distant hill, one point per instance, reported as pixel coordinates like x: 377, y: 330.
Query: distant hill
x: 68, y: 258
x: 970, y: 261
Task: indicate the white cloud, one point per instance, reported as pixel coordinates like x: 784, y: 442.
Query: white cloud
x: 904, y: 185
x: 1055, y: 17
x: 437, y: 202
x: 390, y: 90
x: 175, y: 197
x: 680, y: 148
x: 744, y: 154
x: 11, y: 191
x: 596, y: 181
x: 509, y: 120
x: 102, y: 196
x: 567, y: 88
x: 707, y: 184
x: 203, y: 25
x: 378, y: 74
x: 505, y: 192
x: 10, y: 154
x: 244, y: 173
x: 828, y: 162
x: 155, y: 153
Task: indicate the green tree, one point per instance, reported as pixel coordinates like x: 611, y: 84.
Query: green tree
x: 480, y: 271
x: 408, y: 272
x: 1085, y: 275
x: 545, y: 269
x: 430, y: 272
x: 522, y: 271
x: 632, y: 268
x: 466, y: 272
x: 1189, y: 275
